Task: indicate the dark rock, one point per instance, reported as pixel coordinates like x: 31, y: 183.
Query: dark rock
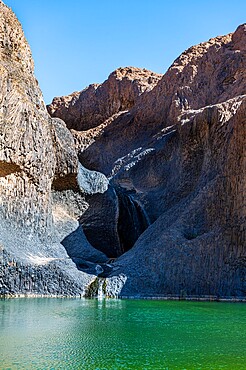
x: 77, y: 246
x: 181, y: 151
x: 114, y: 221
x: 100, y: 223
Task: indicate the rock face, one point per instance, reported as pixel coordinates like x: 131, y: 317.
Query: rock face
x: 197, y: 245
x: 180, y: 151
x: 36, y: 154
x: 27, y: 158
x: 90, y: 107
x: 159, y: 190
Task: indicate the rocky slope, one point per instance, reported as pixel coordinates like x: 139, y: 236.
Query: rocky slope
x: 178, y: 157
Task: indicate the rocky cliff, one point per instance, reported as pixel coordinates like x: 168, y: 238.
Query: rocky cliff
x: 153, y: 167
x: 176, y: 163
x: 90, y: 107
x: 38, y: 171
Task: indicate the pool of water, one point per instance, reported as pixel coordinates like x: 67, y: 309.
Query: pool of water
x: 121, y: 334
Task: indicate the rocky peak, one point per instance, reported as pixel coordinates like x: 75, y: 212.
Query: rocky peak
x: 13, y: 45
x: 143, y: 78
x: 239, y: 38
x: 92, y: 106
x: 205, y: 74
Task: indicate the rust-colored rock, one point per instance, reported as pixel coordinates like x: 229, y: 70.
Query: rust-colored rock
x: 92, y: 106
x: 180, y: 151
x: 205, y: 74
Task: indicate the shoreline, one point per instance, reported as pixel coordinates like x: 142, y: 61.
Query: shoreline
x: 189, y: 298
x: 204, y: 298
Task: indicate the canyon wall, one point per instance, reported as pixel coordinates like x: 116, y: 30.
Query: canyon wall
x: 179, y: 153
x: 153, y: 167
x: 37, y: 157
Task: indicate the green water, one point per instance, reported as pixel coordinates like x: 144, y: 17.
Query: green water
x: 121, y: 334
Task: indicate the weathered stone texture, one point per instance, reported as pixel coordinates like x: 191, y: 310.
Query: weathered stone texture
x: 36, y: 154
x: 181, y: 151
x: 26, y: 148
x: 52, y: 279
x: 92, y: 106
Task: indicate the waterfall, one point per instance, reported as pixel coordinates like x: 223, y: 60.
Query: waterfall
x: 96, y: 288
x: 142, y: 217
x: 100, y: 292
x: 133, y: 220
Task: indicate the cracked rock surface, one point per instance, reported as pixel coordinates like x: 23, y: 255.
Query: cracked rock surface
x: 180, y: 151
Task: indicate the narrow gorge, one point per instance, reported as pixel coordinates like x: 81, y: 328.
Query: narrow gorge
x: 131, y: 188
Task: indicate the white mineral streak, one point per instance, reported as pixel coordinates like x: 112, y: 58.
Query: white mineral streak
x: 130, y: 160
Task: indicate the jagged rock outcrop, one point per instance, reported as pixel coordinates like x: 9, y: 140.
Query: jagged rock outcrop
x: 36, y: 155
x: 92, y: 106
x: 180, y: 150
x: 209, y: 73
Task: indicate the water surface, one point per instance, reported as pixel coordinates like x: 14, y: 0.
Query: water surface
x: 121, y: 334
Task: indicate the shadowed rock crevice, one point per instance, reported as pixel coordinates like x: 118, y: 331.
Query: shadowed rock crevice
x: 8, y: 168
x: 114, y: 221
x: 87, y: 258
x: 132, y: 221
x: 66, y: 182
x: 103, y: 235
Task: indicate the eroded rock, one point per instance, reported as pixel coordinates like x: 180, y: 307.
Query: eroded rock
x: 177, y: 143
x: 181, y: 150
x: 92, y: 106
x: 36, y: 152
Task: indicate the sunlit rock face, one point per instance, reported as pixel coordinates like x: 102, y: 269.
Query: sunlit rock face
x: 90, y: 107
x: 27, y: 158
x: 91, y: 182
x: 180, y: 151
x: 36, y: 155
x: 205, y: 74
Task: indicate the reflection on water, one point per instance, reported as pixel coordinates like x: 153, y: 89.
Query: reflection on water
x: 121, y: 334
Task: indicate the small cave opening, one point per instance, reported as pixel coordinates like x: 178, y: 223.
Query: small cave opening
x: 114, y: 221
x: 109, y: 228
x: 66, y: 182
x: 132, y: 219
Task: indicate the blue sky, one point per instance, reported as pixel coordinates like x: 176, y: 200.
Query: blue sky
x: 75, y: 43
